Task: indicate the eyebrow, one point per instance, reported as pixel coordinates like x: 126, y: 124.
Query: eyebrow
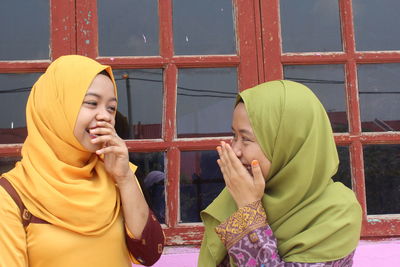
x: 99, y: 96
x: 244, y: 131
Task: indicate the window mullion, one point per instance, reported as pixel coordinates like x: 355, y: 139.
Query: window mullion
x: 86, y: 28
x: 272, y: 47
x: 62, y: 28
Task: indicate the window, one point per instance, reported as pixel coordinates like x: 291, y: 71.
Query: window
x: 348, y: 54
x: 178, y: 72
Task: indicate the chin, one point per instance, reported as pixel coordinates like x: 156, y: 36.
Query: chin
x: 91, y: 148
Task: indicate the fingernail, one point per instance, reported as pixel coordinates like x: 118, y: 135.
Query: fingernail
x: 254, y: 163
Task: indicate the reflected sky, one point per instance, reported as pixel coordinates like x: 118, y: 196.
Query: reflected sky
x: 128, y: 28
x: 205, y: 101
x: 379, y: 96
x: 310, y: 26
x: 203, y: 27
x: 14, y: 92
x: 376, y: 24
x: 146, y: 87
x: 205, y: 96
x: 24, y: 31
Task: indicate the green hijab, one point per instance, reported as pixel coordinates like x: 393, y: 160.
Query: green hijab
x: 313, y: 218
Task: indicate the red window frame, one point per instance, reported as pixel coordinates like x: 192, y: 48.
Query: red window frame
x: 176, y: 233
x: 374, y: 226
x: 62, y: 41
x: 73, y: 30
x: 259, y: 58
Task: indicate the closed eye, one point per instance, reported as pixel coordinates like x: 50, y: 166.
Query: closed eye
x: 246, y: 139
x: 90, y: 103
x: 112, y: 109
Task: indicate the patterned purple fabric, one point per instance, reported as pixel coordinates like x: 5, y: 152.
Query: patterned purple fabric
x: 257, y: 246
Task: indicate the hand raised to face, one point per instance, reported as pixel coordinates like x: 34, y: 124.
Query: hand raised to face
x: 246, y: 186
x: 114, y: 149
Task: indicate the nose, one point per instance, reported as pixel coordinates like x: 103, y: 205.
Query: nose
x: 236, y: 148
x: 103, y: 115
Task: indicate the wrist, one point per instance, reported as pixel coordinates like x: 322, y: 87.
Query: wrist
x: 123, y: 180
x: 246, y: 202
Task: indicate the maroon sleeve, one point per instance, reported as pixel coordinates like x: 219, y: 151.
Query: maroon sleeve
x: 148, y: 249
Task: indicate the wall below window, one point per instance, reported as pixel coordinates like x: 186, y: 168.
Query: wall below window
x: 368, y: 254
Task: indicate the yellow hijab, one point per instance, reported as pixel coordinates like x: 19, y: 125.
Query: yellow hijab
x: 59, y: 180
x: 313, y: 218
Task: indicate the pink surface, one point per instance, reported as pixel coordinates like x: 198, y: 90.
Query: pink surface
x: 381, y: 254
x: 368, y: 254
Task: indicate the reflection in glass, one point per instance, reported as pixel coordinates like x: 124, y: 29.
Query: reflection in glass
x: 203, y: 27
x: 140, y: 103
x: 200, y: 182
x: 8, y: 163
x: 25, y: 30
x: 343, y: 173
x: 151, y: 176
x: 14, y: 92
x: 205, y: 101
x: 376, y: 24
x: 382, y: 178
x: 379, y: 97
x: 327, y: 83
x: 310, y: 26
x: 128, y: 28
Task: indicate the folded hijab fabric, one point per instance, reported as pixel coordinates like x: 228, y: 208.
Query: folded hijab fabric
x: 58, y: 180
x: 313, y: 218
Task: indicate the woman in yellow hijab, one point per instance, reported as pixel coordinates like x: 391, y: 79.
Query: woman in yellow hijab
x: 78, y: 199
x: 280, y: 206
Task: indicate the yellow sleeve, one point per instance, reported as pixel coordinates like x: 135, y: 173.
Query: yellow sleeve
x: 13, y: 236
x: 134, y: 168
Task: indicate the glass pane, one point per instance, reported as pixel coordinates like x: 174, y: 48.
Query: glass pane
x: 343, y: 174
x: 205, y: 101
x: 376, y: 24
x: 140, y: 103
x: 203, y: 27
x: 14, y: 92
x: 151, y: 176
x: 327, y: 83
x: 310, y: 26
x: 382, y: 178
x: 200, y: 182
x: 128, y: 28
x: 379, y: 97
x: 25, y: 30
x: 8, y: 163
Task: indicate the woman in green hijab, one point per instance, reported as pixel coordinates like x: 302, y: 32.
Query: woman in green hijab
x: 280, y: 206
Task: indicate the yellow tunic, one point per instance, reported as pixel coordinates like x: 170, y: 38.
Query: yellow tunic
x: 45, y: 245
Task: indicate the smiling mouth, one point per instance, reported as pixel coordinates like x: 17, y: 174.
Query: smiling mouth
x: 92, y: 136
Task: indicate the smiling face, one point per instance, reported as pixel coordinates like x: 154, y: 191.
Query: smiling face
x: 99, y: 104
x: 244, y: 142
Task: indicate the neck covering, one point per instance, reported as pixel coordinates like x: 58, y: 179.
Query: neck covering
x: 57, y: 179
x: 313, y: 218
